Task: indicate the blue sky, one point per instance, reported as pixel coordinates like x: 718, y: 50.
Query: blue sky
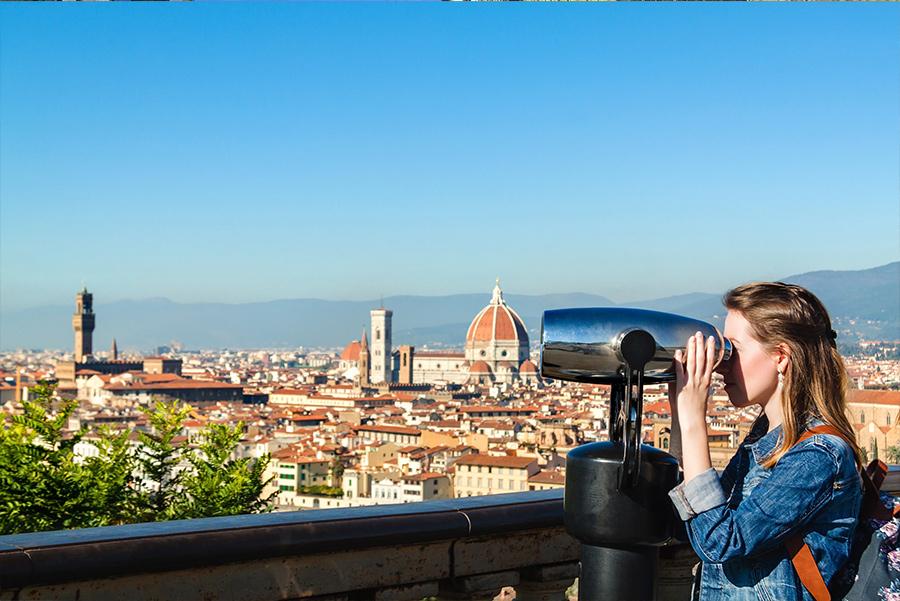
x: 253, y: 152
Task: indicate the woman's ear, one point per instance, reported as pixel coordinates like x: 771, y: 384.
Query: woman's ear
x: 782, y: 358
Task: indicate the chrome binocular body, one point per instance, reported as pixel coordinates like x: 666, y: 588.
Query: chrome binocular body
x: 585, y: 345
x: 624, y: 348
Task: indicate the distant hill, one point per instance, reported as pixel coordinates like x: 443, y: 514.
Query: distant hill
x: 870, y: 298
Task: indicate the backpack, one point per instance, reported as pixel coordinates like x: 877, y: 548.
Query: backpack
x: 872, y: 571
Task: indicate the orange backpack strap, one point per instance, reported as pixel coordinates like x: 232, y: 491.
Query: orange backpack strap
x: 872, y: 507
x: 807, y: 569
x: 823, y: 429
x: 799, y: 552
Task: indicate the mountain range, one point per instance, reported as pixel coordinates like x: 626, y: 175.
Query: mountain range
x: 863, y: 304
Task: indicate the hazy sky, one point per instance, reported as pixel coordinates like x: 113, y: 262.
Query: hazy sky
x: 253, y: 152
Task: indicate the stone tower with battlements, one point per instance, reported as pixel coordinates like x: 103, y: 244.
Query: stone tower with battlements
x: 381, y: 345
x: 83, y: 324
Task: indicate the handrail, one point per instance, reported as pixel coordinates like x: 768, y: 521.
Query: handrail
x: 47, y: 558
x: 41, y: 558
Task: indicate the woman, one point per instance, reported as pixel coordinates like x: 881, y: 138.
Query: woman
x: 775, y: 490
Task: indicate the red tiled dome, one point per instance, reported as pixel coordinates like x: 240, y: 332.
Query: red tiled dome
x: 497, y: 321
x: 528, y: 367
x: 351, y: 352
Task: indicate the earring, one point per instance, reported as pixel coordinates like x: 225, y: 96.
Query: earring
x: 780, y: 378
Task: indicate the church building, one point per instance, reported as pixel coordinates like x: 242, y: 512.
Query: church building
x: 496, y: 351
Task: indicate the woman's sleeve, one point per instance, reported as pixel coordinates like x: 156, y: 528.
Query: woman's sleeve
x: 797, y: 487
x: 729, y: 474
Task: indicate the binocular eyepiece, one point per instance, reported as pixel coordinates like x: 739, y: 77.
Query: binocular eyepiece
x: 595, y: 345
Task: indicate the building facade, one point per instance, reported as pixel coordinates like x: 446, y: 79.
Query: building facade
x: 490, y: 475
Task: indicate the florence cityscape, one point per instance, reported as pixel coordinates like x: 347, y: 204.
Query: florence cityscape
x: 272, y: 281
x: 393, y: 419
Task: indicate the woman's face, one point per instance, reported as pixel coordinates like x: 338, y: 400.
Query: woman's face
x: 751, y: 376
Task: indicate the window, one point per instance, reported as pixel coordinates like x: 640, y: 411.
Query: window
x: 862, y: 417
x: 483, y: 353
x: 404, y: 360
x: 531, y: 487
x: 889, y: 419
x: 377, y: 334
x: 502, y: 353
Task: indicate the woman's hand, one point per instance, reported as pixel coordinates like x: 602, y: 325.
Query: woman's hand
x: 693, y: 377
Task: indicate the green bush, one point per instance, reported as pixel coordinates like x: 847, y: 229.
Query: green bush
x: 45, y: 485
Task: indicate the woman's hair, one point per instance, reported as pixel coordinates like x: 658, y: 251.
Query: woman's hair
x: 815, y: 384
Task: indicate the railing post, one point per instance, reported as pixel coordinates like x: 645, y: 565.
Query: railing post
x: 620, y: 525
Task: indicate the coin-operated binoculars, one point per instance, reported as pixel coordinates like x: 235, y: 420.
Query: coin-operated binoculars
x: 616, y: 497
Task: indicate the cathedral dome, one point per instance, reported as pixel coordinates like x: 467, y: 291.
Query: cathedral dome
x: 351, y: 352
x: 497, y: 322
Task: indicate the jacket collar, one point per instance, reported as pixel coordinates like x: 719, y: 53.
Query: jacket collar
x: 763, y: 443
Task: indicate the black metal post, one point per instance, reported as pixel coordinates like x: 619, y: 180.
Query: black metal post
x: 616, y: 500
x: 620, y: 573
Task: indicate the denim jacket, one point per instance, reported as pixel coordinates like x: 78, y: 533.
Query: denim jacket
x: 738, y: 522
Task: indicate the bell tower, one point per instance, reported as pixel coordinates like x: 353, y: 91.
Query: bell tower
x: 364, y: 361
x: 381, y: 345
x: 83, y: 324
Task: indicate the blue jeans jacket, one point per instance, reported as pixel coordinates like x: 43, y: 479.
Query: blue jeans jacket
x: 738, y: 522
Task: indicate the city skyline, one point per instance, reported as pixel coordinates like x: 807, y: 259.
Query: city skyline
x: 245, y: 154
x: 862, y: 305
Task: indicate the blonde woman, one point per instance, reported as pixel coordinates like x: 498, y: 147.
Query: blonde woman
x: 780, y: 496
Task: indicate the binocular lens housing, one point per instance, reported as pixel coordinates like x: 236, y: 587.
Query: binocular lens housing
x: 585, y: 344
